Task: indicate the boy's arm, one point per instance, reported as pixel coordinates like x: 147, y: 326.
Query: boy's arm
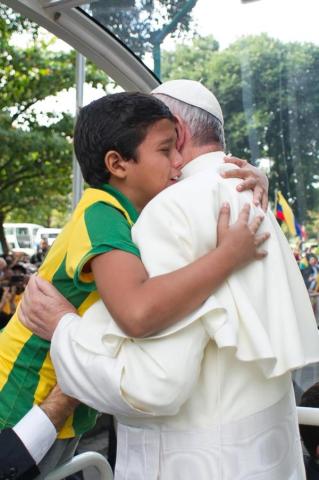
x: 142, y: 306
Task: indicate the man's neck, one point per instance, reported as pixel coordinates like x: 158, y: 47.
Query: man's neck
x: 195, y: 151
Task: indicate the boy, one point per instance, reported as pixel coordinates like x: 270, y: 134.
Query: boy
x: 125, y: 144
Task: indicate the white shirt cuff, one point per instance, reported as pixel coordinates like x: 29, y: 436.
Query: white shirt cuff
x: 36, y: 432
x: 65, y: 320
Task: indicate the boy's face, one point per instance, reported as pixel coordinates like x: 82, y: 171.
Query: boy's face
x: 158, y: 163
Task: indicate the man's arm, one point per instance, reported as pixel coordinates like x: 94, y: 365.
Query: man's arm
x: 24, y: 446
x: 112, y: 384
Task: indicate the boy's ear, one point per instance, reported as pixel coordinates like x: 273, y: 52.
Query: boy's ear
x: 115, y: 164
x: 181, y: 132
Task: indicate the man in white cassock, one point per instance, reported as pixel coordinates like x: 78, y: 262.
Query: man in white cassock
x: 210, y: 397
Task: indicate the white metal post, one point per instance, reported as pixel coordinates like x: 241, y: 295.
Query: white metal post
x: 79, y: 81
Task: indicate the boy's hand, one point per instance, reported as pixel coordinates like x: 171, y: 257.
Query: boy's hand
x: 241, y: 240
x: 42, y: 307
x: 253, y: 179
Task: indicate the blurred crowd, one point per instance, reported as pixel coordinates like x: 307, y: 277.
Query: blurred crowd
x: 308, y: 261
x: 309, y: 266
x: 15, y: 271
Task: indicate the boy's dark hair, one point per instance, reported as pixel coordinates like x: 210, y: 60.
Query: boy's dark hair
x: 310, y: 433
x: 115, y: 122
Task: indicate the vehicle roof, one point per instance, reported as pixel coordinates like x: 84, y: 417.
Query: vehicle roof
x: 22, y: 225
x: 71, y: 24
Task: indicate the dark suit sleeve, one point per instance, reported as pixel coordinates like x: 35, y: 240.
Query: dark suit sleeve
x: 15, y: 460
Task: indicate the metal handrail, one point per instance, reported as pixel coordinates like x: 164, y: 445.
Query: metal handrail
x: 79, y: 462
x: 308, y: 416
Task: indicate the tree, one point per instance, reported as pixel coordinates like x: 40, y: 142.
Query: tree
x: 269, y: 93
x: 190, y: 61
x: 36, y: 150
x: 137, y: 22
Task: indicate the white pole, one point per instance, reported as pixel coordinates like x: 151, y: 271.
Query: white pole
x: 79, y: 81
x: 308, y: 416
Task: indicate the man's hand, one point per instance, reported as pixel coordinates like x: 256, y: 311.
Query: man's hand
x: 254, y: 179
x: 42, y: 307
x: 241, y: 240
x: 58, y: 407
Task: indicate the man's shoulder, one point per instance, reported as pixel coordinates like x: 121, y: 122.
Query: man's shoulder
x: 195, y: 190
x: 197, y: 184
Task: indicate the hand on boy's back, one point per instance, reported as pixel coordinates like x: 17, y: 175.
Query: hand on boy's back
x: 42, y: 307
x: 242, y: 240
x: 253, y: 179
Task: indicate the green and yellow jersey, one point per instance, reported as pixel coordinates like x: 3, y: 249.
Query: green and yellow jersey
x: 101, y: 222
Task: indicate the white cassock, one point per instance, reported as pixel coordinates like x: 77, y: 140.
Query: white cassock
x: 210, y: 397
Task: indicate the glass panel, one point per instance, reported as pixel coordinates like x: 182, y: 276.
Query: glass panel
x: 261, y: 59
x: 22, y: 231
x: 23, y: 237
x: 143, y: 25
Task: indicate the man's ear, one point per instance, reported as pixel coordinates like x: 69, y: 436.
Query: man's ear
x: 115, y: 164
x: 317, y: 451
x: 181, y: 133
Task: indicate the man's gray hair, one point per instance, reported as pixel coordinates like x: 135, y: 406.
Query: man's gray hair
x: 204, y: 127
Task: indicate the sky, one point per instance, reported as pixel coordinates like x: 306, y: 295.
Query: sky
x: 228, y: 20
x: 288, y: 20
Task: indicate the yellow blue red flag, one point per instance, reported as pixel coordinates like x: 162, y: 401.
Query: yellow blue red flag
x: 285, y: 214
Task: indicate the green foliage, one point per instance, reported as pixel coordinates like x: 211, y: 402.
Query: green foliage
x: 34, y: 165
x: 35, y: 156
x: 180, y: 63
x: 312, y: 226
x: 137, y: 22
x: 269, y: 94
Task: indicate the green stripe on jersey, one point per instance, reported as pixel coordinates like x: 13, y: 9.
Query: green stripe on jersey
x: 65, y: 285
x: 22, y: 381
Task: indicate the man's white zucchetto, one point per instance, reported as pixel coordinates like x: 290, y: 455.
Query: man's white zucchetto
x: 193, y: 93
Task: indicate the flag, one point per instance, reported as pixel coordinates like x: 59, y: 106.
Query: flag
x: 285, y: 214
x: 298, y: 229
